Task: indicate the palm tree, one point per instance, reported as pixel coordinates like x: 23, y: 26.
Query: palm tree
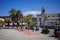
x: 19, y: 16
x: 12, y: 15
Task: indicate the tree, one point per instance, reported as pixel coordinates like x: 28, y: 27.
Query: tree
x: 12, y: 13
x: 29, y: 21
x: 19, y: 16
x: 24, y: 18
x: 16, y: 16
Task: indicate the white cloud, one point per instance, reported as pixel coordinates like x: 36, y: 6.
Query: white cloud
x: 31, y: 12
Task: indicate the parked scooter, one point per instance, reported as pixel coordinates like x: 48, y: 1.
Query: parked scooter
x: 57, y: 32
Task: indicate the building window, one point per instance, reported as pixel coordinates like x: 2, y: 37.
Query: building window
x: 48, y: 16
x: 51, y: 22
x: 40, y: 19
x: 56, y: 24
x: 59, y: 23
x: 52, y: 16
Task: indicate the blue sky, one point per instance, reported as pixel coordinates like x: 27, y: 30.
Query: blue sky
x: 28, y: 5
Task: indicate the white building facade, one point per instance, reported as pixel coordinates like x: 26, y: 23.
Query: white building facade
x: 48, y: 19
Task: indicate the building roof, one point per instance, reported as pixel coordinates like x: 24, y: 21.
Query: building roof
x: 49, y: 13
x: 52, y: 13
x: 38, y: 14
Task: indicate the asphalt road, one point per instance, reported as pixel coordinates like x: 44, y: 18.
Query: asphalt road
x: 11, y: 34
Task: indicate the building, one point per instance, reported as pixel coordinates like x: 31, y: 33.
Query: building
x: 34, y: 20
x: 52, y: 19
x: 1, y: 18
x: 48, y: 19
x: 31, y: 15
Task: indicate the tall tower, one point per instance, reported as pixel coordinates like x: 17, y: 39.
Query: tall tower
x: 43, y: 10
x: 43, y: 16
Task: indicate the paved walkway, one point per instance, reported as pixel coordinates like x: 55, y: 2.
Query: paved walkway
x: 11, y: 34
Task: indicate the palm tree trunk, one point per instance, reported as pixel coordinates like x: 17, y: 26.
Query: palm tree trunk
x: 21, y: 21
x: 13, y: 25
x: 28, y: 25
x: 8, y: 25
x: 21, y: 26
x: 17, y: 24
